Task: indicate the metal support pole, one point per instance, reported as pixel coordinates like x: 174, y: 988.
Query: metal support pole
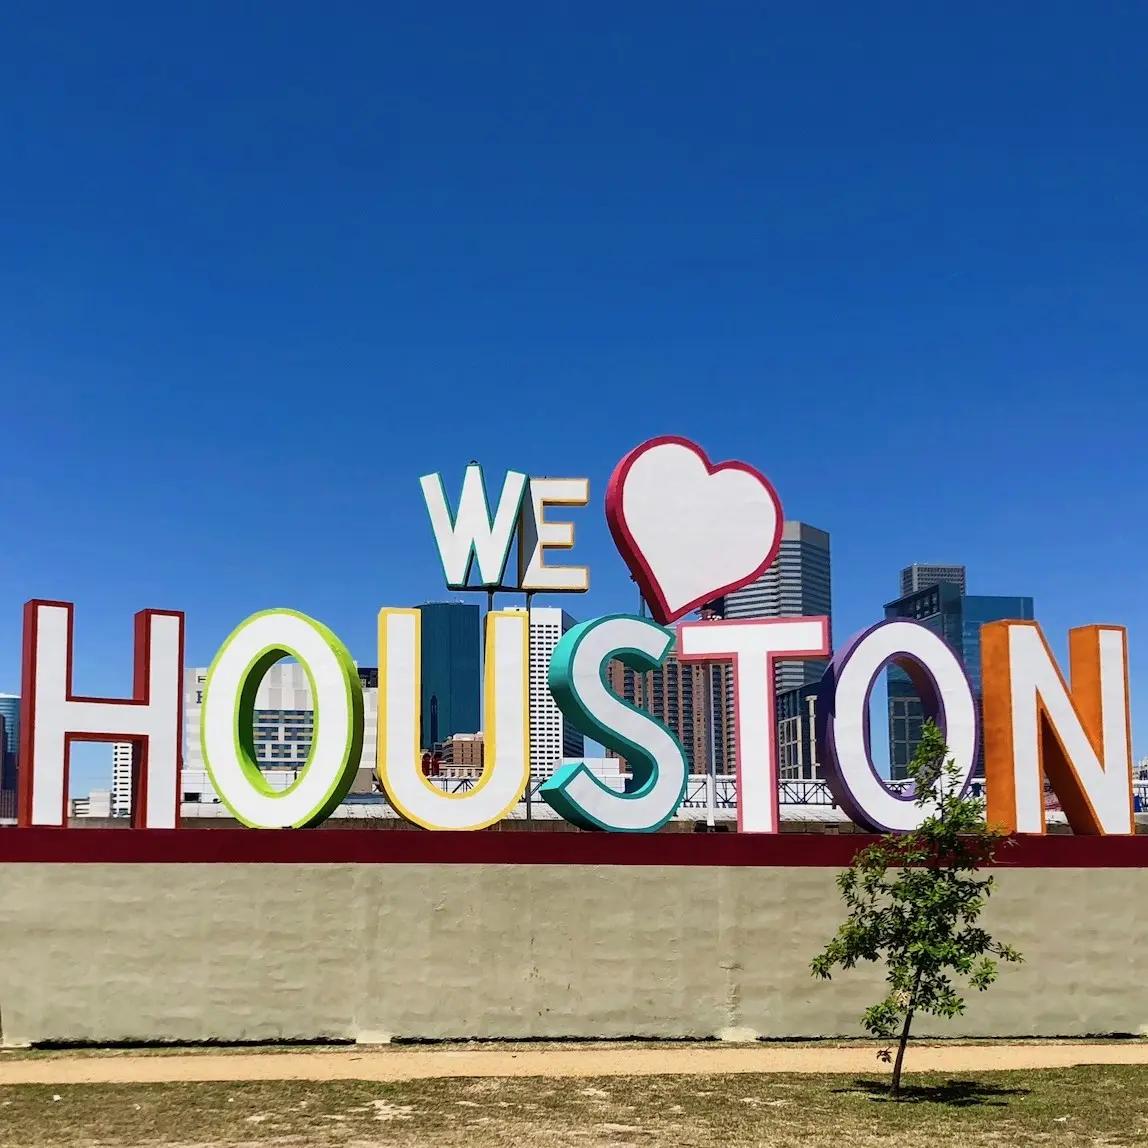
x: 529, y: 711
x: 711, y: 755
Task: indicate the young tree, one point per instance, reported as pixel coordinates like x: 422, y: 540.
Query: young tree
x: 914, y: 900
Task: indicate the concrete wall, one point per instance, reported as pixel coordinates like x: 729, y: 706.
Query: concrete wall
x: 144, y: 951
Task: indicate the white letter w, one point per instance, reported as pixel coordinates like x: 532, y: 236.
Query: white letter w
x: 472, y: 535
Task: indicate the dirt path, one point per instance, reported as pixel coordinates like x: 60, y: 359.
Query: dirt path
x: 422, y: 1064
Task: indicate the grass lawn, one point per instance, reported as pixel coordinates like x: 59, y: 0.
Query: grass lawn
x: 1092, y: 1105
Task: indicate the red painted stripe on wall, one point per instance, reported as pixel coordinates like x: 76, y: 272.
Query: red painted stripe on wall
x: 411, y: 847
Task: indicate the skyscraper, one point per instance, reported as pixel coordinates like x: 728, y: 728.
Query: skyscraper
x: 797, y: 584
x: 676, y: 694
x: 957, y: 618
x: 122, y: 779
x: 922, y: 575
x: 10, y: 746
x: 451, y: 686
x: 552, y: 737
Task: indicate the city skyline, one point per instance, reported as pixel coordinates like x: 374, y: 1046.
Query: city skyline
x: 798, y: 581
x: 797, y: 751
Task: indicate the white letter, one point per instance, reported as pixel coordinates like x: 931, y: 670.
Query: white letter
x: 506, y: 738
x: 843, y: 718
x: 656, y: 759
x: 151, y: 720
x: 471, y: 534
x: 1034, y: 728
x: 251, y: 649
x: 536, y: 535
x: 754, y: 646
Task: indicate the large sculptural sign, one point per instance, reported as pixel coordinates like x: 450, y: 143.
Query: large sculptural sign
x: 689, y: 530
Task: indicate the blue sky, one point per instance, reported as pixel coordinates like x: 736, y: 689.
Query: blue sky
x: 265, y: 265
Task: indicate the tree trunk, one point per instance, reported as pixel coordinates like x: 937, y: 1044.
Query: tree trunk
x: 897, y: 1064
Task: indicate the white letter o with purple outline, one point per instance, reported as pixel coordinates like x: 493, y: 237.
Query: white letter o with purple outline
x: 843, y: 718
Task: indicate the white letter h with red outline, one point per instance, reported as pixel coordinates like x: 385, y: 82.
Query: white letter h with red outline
x: 52, y: 717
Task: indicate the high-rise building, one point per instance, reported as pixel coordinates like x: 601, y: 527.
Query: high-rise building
x: 552, y: 737
x: 958, y: 619
x: 797, y: 584
x: 122, y: 779
x: 676, y: 693
x: 922, y: 575
x: 451, y: 684
x: 10, y: 743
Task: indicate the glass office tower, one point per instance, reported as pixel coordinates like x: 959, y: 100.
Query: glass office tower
x: 958, y: 619
x: 451, y: 686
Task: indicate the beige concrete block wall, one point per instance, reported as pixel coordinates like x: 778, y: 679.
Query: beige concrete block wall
x: 244, y: 952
